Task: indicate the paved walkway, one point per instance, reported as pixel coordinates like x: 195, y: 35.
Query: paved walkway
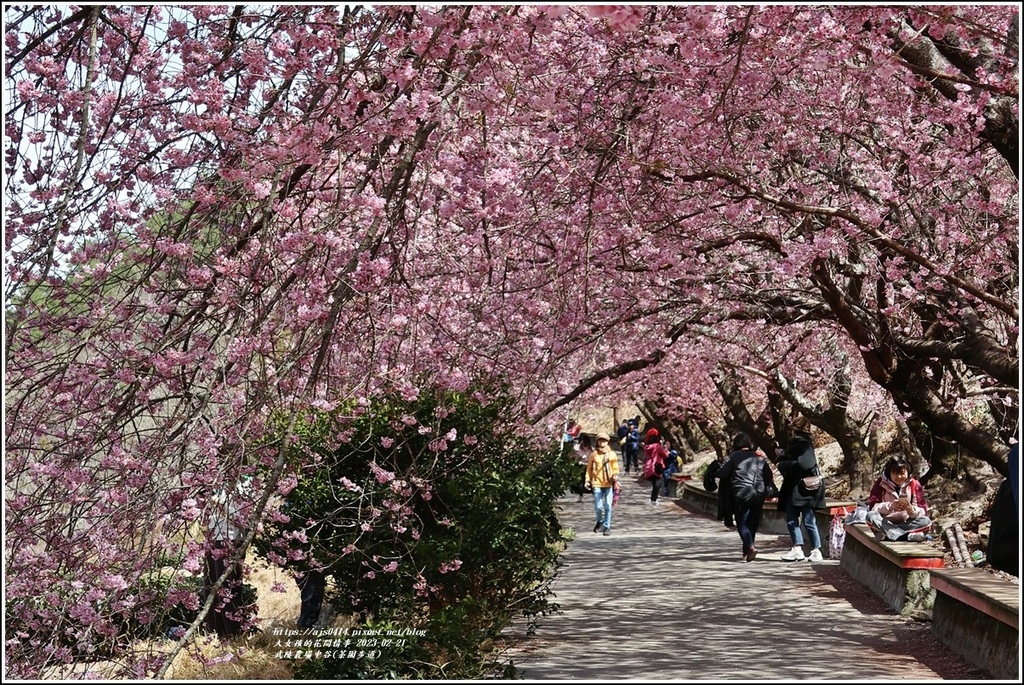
x: 667, y: 596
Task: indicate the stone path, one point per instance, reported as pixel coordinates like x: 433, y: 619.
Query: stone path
x: 667, y: 596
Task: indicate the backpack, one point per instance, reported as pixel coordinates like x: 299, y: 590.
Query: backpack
x: 748, y: 480
x: 709, y: 476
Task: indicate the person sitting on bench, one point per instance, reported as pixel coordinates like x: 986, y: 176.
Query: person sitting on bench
x: 897, y: 509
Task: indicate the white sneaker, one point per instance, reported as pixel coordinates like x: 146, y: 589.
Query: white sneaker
x: 815, y: 555
x: 917, y: 537
x: 795, y: 554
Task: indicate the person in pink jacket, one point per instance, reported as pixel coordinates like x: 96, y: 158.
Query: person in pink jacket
x: 655, y: 455
x: 897, y: 509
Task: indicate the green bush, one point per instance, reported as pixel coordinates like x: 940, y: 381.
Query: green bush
x: 460, y: 542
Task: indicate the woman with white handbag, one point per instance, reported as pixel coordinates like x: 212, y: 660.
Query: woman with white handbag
x: 802, y: 491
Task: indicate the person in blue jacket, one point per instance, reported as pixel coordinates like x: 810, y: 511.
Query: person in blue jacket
x: 631, y: 448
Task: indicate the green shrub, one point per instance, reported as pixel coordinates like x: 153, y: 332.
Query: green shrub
x: 460, y: 542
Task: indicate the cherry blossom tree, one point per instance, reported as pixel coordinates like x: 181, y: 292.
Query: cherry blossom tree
x: 216, y: 215
x: 843, y: 223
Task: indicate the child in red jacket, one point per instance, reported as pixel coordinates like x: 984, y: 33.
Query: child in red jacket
x: 897, y: 509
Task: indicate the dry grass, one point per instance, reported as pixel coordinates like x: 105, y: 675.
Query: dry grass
x: 277, y: 607
x: 212, y: 659
x: 602, y: 419
x: 251, y: 657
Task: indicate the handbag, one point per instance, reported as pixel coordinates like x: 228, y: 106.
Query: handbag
x: 812, y: 482
x: 608, y: 474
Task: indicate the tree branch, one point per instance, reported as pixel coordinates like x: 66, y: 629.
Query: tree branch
x: 587, y: 383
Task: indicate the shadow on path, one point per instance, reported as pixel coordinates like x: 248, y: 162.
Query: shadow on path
x: 667, y: 596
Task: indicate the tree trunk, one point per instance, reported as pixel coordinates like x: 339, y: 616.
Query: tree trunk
x: 834, y: 420
x: 691, y: 442
x: 742, y: 420
x: 907, y: 379
x: 946, y: 427
x: 716, y: 437
x: 667, y: 427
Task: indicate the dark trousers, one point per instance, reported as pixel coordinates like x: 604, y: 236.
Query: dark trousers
x: 655, y: 487
x: 224, y: 617
x: 311, y: 589
x: 748, y: 520
x: 724, y: 510
x: 630, y: 455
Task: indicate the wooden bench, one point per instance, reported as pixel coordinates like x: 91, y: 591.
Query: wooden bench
x: 976, y: 615
x: 898, y: 572
x: 674, y: 480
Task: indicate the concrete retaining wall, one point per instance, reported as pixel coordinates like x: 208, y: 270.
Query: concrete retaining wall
x: 976, y: 615
x: 696, y: 497
x: 890, y: 574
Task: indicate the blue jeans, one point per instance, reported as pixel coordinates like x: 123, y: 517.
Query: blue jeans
x: 603, y: 505
x: 793, y: 516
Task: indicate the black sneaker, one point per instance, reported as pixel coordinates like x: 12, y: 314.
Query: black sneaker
x: 598, y: 526
x: 607, y: 530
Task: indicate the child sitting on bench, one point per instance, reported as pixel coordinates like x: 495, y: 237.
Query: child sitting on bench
x: 897, y: 509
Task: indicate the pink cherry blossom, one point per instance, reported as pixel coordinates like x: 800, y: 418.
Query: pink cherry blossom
x: 584, y: 204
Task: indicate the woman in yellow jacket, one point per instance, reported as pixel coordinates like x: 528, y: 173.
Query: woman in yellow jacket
x: 603, y: 477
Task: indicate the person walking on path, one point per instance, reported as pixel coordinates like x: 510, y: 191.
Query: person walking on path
x: 654, y: 462
x: 747, y: 476
x: 724, y: 499
x: 631, y: 448
x: 798, y: 501
x: 603, y: 478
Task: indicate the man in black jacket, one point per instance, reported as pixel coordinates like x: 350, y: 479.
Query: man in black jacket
x: 746, y: 475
